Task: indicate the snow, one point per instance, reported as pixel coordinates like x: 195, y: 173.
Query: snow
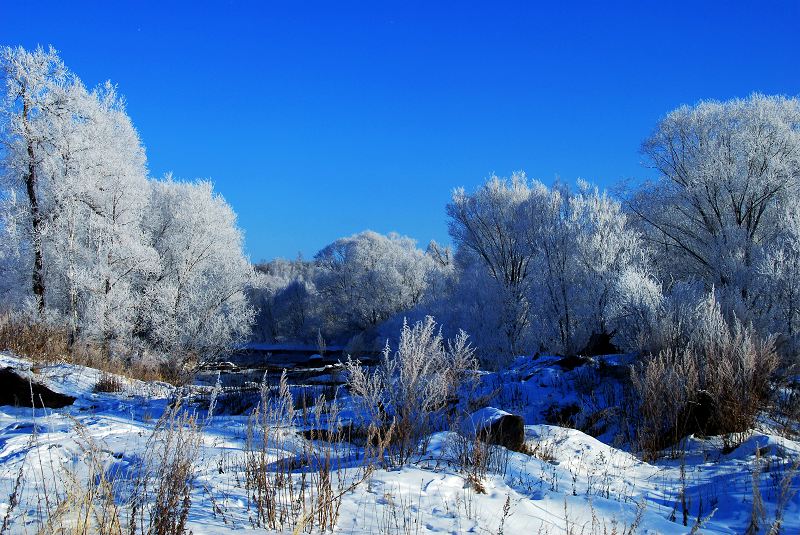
x: 568, y: 481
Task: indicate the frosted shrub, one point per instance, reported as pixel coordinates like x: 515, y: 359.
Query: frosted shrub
x: 32, y: 337
x: 716, y: 383
x: 635, y: 308
x: 410, y: 388
x: 737, y: 370
x: 161, y: 497
x: 666, y: 384
x: 647, y: 320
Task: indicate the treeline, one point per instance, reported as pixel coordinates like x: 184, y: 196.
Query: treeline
x: 156, y: 267
x: 142, y: 268
x: 575, y: 270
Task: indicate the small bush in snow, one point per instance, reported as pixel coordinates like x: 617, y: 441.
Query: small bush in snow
x: 412, y: 386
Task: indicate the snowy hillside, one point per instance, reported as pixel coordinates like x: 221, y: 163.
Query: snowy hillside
x: 55, y: 462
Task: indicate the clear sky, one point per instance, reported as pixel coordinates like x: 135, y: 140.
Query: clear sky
x: 319, y: 120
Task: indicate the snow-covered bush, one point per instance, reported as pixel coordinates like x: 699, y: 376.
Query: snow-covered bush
x: 411, y: 387
x: 666, y: 385
x: 635, y: 309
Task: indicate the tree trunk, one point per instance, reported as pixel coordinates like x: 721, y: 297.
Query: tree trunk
x: 36, y: 218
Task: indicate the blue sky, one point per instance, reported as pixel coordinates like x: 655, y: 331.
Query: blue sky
x: 318, y: 120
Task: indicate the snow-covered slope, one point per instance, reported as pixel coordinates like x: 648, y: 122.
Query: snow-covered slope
x: 566, y: 481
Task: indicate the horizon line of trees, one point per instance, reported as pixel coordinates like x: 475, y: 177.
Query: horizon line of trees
x: 539, y: 268
x: 92, y: 242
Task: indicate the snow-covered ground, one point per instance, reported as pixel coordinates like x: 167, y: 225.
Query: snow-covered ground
x: 567, y: 482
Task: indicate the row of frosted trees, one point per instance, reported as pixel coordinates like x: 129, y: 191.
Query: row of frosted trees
x: 90, y: 242
x: 557, y: 269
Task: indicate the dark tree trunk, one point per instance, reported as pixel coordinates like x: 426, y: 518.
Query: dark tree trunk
x: 36, y: 220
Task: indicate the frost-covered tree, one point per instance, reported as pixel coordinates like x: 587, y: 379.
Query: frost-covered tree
x: 74, y: 181
x: 196, y: 301
x: 727, y: 170
x: 36, y: 84
x: 286, y: 301
x: 487, y: 224
x: 96, y: 240
x: 442, y: 274
x: 367, y: 278
x: 538, y: 264
x: 580, y: 242
x: 476, y: 301
x: 777, y: 284
x: 121, y: 256
x: 90, y: 241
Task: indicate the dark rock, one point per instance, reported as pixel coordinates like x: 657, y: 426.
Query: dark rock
x: 599, y: 344
x: 327, y: 435
x: 237, y: 401
x: 507, y: 430
x: 16, y: 390
x: 571, y: 362
x: 562, y: 415
x: 700, y: 418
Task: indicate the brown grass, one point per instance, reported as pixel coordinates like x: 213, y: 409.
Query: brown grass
x: 88, y: 497
x: 44, y: 342
x: 109, y: 383
x: 37, y: 340
x: 716, y: 386
x: 303, y: 491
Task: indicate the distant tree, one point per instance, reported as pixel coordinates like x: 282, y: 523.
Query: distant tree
x: 580, y: 243
x: 367, y: 278
x: 287, y: 301
x: 486, y: 223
